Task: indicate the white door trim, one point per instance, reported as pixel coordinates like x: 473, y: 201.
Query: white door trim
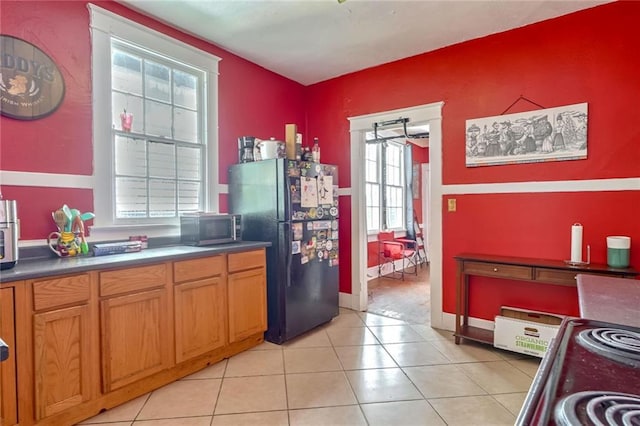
x: 425, y: 177
x: 431, y: 114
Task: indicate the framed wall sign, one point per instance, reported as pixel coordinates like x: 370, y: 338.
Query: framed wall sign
x: 551, y: 134
x: 31, y: 85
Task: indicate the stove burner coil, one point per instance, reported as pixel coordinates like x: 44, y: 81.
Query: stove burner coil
x: 598, y: 408
x: 613, y: 343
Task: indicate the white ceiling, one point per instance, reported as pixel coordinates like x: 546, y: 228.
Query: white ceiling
x: 314, y: 40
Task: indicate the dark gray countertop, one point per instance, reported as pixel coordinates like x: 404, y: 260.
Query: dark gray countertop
x: 37, y: 268
x: 609, y: 299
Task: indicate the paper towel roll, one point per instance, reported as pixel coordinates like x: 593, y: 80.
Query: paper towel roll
x: 576, y: 243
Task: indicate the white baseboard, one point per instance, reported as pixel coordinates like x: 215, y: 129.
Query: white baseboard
x: 348, y: 301
x: 449, y: 322
x: 372, y: 273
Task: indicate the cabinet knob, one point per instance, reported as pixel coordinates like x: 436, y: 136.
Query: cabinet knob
x: 575, y: 277
x: 495, y: 269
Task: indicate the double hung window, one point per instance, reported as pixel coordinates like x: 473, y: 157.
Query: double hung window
x: 155, y: 125
x: 385, y: 187
x: 159, y: 151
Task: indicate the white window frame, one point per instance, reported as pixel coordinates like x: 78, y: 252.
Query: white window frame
x: 382, y: 184
x: 104, y: 25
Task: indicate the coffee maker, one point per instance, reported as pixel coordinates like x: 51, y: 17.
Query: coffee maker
x: 246, y: 145
x: 8, y: 234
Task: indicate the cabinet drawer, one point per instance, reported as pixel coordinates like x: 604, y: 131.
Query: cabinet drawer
x: 132, y: 279
x: 246, y: 260
x: 498, y: 270
x: 556, y: 276
x: 61, y: 291
x: 189, y: 270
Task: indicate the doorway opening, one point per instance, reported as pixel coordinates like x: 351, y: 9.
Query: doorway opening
x: 405, y: 297
x: 407, y: 300
x: 429, y: 115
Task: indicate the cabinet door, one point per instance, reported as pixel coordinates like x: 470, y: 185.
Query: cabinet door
x: 200, y: 317
x: 247, y: 303
x: 62, y: 345
x: 8, y: 408
x: 135, y: 331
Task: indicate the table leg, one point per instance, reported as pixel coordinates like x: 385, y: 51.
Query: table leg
x: 459, y: 296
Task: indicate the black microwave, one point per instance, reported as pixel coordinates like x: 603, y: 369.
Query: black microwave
x: 203, y: 229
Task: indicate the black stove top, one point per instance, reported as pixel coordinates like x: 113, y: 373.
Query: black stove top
x: 589, y: 376
x: 614, y: 343
x: 598, y: 408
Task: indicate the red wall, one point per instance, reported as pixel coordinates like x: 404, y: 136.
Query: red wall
x: 583, y: 57
x: 252, y: 101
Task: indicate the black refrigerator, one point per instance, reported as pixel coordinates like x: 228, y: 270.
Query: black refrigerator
x: 294, y: 206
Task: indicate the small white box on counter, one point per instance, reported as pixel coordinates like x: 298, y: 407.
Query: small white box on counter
x: 525, y: 331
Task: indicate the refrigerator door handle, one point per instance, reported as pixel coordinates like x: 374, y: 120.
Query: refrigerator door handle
x: 289, y: 259
x: 289, y: 255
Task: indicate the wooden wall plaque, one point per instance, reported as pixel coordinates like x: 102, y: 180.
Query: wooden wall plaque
x: 31, y: 85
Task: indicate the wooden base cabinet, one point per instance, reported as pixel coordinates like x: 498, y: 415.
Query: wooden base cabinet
x: 8, y: 392
x: 247, y: 288
x: 135, y: 333
x: 61, y: 338
x: 90, y: 341
x: 65, y: 366
x: 200, y: 320
x: 200, y: 295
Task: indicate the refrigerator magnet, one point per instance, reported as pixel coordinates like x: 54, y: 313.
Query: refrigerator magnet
x: 296, y: 228
x: 295, y: 194
x: 329, y: 245
x: 325, y: 189
x: 304, y: 259
x: 295, y: 247
x: 309, y: 189
x: 294, y: 171
x: 309, y: 226
x: 322, y: 224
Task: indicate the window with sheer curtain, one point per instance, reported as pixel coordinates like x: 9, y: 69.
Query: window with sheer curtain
x: 155, y: 125
x: 385, y: 206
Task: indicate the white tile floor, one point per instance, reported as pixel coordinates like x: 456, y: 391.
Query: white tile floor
x: 359, y: 369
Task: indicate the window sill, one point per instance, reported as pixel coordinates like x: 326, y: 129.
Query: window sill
x: 397, y: 233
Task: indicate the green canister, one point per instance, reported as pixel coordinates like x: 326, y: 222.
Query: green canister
x: 618, y: 250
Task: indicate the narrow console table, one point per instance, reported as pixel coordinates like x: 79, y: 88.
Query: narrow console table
x: 554, y: 272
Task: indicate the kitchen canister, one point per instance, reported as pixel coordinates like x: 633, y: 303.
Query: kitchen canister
x: 618, y: 250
